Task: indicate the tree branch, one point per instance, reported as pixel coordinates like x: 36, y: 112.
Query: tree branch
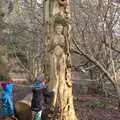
x: 93, y: 60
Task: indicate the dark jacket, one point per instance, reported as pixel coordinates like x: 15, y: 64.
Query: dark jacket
x: 39, y: 96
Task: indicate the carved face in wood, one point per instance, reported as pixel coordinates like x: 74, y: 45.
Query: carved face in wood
x: 59, y: 29
x: 62, y: 2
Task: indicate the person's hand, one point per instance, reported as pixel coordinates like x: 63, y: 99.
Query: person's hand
x: 54, y: 90
x: 13, y: 117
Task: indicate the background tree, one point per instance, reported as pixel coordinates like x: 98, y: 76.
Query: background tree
x: 23, y: 39
x: 96, y: 39
x: 4, y: 68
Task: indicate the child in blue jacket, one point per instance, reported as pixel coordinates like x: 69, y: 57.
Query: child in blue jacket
x: 7, y: 110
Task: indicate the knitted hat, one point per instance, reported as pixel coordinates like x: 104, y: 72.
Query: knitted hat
x: 5, y: 83
x: 39, y: 82
x: 40, y: 79
x: 7, y: 87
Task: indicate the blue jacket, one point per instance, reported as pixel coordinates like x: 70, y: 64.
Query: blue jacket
x: 7, y: 100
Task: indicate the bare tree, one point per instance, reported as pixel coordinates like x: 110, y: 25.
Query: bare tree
x: 96, y: 37
x: 23, y: 36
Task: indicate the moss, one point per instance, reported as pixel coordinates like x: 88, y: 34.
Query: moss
x: 93, y: 103
x: 1, y: 13
x: 3, y: 50
x: 60, y: 19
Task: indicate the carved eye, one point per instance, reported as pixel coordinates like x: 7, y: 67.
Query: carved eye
x: 62, y: 2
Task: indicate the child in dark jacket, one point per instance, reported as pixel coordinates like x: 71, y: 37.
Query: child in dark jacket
x: 7, y: 110
x: 40, y: 92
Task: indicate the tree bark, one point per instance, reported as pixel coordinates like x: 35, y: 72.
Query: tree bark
x: 57, y: 57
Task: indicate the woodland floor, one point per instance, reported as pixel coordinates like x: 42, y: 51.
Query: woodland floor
x: 88, y: 107
x: 96, y: 107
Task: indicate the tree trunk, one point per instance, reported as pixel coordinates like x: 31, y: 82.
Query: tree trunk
x: 57, y: 57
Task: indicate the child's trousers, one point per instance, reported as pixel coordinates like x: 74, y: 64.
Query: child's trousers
x: 38, y: 115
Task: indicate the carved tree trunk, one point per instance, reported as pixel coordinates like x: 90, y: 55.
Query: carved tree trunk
x: 57, y: 57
